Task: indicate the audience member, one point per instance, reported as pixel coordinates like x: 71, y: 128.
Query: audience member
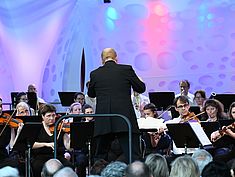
x: 157, y: 165
x: 87, y: 109
x: 184, y: 166
x: 216, y: 169
x: 51, y: 167
x: 8, y: 171
x: 214, y: 110
x: 114, y: 169
x: 98, y: 166
x: 184, y: 91
x: 137, y: 169
x: 199, y: 98
x: 80, y: 97
x: 66, y: 171
x: 202, y: 158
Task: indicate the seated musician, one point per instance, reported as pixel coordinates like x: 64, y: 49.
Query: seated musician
x: 181, y: 104
x: 44, y: 145
x: 231, y: 112
x: 156, y: 142
x: 225, y: 150
x: 5, y: 137
x: 214, y: 110
x: 22, y: 97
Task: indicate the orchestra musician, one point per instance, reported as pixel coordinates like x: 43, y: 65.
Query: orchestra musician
x: 182, y: 105
x: 42, y: 149
x: 226, y: 152
x: 156, y: 142
x: 5, y: 137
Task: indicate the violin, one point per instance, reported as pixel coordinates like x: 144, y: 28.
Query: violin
x: 191, y: 116
x: 65, y: 127
x: 7, y: 119
x: 223, y: 130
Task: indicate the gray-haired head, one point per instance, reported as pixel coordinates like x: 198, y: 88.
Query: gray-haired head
x: 50, y: 167
x: 114, y: 169
x: 137, y: 169
x: 66, y: 171
x: 202, y: 158
x: 9, y: 172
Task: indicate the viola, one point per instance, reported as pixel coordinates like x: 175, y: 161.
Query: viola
x: 7, y: 119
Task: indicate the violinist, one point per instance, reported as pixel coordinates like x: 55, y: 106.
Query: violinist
x: 22, y: 97
x: 226, y: 152
x: 181, y: 104
x: 44, y: 145
x: 5, y: 159
x: 156, y: 142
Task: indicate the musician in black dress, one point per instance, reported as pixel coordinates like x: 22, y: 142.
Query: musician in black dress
x: 44, y: 145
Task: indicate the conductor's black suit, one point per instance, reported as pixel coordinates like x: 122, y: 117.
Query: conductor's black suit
x: 111, y: 85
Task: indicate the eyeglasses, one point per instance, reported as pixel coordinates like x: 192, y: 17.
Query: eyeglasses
x: 183, y: 106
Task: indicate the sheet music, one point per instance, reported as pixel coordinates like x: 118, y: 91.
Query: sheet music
x: 150, y: 123
x: 201, y: 135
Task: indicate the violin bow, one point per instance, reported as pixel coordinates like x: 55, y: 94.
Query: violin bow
x: 8, y: 120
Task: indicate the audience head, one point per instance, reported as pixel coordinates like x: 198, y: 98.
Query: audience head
x: 22, y: 109
x: 150, y: 110
x: 181, y: 104
x: 231, y: 112
x: 157, y: 165
x: 184, y: 87
x: 216, y: 169
x: 98, y: 166
x: 66, y: 171
x: 214, y: 109
x: 114, y: 169
x: 8, y: 171
x: 202, y: 158
x: 75, y: 108
x: 184, y: 166
x: 79, y: 97
x: 108, y: 54
x: 137, y: 169
x: 32, y: 88
x: 50, y: 167
x: 199, y: 97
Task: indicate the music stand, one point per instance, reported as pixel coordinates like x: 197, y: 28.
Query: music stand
x: 226, y: 99
x: 184, y: 136
x: 66, y: 98
x: 25, y: 140
x: 225, y: 122
x: 81, y: 134
x: 162, y: 100
x: 210, y: 127
x: 29, y: 118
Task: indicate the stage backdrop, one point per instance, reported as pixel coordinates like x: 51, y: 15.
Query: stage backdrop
x: 165, y: 41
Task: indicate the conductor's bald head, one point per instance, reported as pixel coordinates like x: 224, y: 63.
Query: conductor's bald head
x: 108, y: 54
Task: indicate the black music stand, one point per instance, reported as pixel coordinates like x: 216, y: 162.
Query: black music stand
x: 184, y: 136
x: 162, y: 100
x: 210, y: 127
x: 29, y: 118
x: 81, y: 135
x: 225, y: 98
x: 66, y: 98
x: 225, y: 122
x: 25, y: 140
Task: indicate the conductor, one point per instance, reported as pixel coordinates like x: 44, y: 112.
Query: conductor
x: 111, y: 85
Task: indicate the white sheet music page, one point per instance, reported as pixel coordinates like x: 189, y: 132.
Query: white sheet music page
x: 201, y: 135
x: 150, y: 123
